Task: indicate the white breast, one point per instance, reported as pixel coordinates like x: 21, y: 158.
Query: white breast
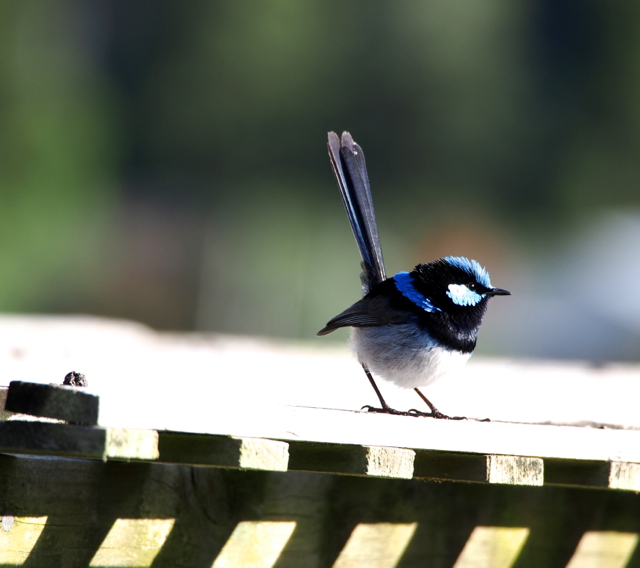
x: 403, y: 356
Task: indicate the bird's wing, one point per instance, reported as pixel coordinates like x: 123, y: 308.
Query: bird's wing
x: 368, y: 312
x: 350, y: 169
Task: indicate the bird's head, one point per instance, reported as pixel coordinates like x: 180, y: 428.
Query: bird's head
x: 453, y: 284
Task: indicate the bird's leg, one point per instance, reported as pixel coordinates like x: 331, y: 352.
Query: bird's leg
x: 385, y: 408
x: 435, y: 413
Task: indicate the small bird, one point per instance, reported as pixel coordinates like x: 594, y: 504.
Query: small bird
x: 416, y: 326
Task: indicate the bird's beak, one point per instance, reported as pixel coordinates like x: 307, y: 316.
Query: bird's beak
x: 499, y: 292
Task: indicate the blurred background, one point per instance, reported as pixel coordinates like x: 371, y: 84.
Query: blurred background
x: 165, y: 161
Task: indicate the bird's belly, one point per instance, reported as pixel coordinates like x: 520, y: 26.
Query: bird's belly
x: 403, y: 355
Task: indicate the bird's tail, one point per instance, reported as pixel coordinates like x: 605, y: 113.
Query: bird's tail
x: 350, y: 169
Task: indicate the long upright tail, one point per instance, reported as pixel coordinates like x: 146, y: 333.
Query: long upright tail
x: 350, y: 169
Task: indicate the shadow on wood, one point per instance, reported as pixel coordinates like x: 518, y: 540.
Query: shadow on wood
x: 194, y: 512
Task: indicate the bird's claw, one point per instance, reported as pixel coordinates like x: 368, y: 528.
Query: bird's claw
x: 386, y: 410
x: 435, y: 414
x: 411, y: 412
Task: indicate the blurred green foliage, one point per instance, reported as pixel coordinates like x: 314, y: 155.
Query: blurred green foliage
x: 165, y: 161
x: 57, y: 156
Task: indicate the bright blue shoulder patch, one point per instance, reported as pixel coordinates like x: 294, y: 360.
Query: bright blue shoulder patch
x: 404, y: 284
x: 471, y: 267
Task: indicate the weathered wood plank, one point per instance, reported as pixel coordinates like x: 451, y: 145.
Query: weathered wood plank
x: 130, y: 443
x: 624, y: 476
x: 579, y: 473
x: 515, y: 470
x: 4, y: 414
x: 257, y: 544
x: 53, y: 401
x: 71, y: 440
x: 18, y: 539
x: 223, y: 451
x: 331, y: 379
x: 604, y: 549
x: 368, y: 429
x: 376, y: 545
x: 450, y: 466
x: 352, y: 459
x: 495, y: 547
x: 133, y: 542
x: 116, y: 506
x: 130, y: 542
x: 508, y: 470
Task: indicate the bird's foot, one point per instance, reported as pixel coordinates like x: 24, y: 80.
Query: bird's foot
x: 435, y: 414
x: 387, y: 410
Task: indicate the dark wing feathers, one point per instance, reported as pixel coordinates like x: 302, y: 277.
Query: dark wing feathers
x: 370, y: 311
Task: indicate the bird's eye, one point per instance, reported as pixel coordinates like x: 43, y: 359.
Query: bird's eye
x: 471, y: 286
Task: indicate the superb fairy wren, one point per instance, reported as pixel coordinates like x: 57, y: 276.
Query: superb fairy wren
x: 416, y: 326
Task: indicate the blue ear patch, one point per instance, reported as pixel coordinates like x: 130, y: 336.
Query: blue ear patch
x: 404, y: 284
x: 462, y: 296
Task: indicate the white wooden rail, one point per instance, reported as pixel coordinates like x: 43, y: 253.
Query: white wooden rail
x: 192, y: 401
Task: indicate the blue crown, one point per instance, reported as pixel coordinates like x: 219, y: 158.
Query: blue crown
x: 472, y: 268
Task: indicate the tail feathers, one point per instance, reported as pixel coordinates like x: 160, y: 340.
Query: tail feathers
x: 350, y: 169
